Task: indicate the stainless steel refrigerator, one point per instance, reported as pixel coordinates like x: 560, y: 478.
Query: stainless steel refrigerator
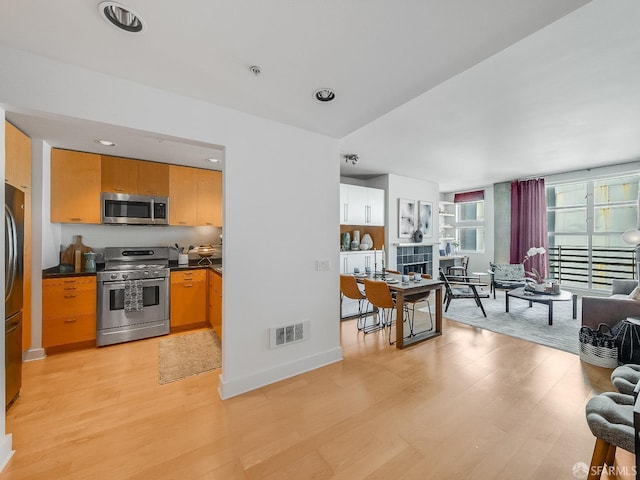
x: 13, y: 255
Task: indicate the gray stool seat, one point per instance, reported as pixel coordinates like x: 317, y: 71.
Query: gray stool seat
x: 626, y: 377
x: 610, y: 419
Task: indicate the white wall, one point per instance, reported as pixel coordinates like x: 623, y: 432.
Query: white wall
x: 411, y: 189
x: 281, y: 194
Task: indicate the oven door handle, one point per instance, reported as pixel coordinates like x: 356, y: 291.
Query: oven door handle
x: 144, y: 280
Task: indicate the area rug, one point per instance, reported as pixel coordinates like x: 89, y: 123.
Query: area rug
x: 186, y: 355
x: 529, y: 324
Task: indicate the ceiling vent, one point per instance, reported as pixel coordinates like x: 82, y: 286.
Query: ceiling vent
x: 122, y: 17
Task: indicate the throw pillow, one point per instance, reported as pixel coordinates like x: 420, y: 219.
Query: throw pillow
x: 635, y: 294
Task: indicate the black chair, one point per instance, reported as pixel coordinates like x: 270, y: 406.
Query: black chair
x: 459, y: 270
x: 413, y: 300
x: 462, y: 287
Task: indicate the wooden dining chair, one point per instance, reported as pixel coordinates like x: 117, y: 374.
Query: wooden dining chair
x: 349, y: 288
x: 379, y: 296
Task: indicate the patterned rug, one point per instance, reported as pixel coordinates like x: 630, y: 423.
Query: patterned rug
x: 529, y: 324
x: 186, y: 355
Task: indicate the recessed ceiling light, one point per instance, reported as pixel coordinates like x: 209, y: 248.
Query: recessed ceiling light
x: 256, y: 70
x: 122, y: 17
x: 214, y: 160
x: 325, y: 94
x: 106, y: 143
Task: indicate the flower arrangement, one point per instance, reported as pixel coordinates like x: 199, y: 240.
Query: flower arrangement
x: 532, y: 252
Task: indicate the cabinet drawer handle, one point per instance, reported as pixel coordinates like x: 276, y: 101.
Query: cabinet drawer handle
x: 69, y: 281
x: 119, y: 189
x: 70, y: 296
x: 69, y: 320
x: 70, y: 288
x: 182, y: 223
x: 75, y: 219
x: 188, y: 286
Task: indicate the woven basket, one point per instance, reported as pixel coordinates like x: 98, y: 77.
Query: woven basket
x: 597, y: 347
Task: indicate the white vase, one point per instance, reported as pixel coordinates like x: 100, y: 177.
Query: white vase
x: 356, y: 236
x: 366, y: 240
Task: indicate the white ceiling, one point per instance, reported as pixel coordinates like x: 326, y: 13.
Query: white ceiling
x: 499, y: 89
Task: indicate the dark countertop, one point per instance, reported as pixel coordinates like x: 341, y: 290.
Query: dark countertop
x: 54, y: 272
x: 216, y: 266
x: 194, y: 265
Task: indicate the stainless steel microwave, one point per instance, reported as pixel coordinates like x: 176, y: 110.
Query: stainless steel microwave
x: 125, y: 209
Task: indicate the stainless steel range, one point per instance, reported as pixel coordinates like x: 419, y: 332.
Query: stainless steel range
x: 133, y: 294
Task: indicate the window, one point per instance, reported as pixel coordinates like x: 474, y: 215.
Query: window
x: 585, y: 221
x: 469, y: 231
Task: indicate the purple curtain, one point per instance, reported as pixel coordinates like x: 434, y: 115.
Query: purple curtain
x: 529, y: 224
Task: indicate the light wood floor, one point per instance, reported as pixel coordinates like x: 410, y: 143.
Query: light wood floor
x: 469, y: 404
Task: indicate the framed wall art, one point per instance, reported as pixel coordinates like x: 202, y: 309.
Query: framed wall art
x: 406, y: 218
x: 425, y: 218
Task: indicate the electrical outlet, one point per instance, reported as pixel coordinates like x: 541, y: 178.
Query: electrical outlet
x: 322, y: 265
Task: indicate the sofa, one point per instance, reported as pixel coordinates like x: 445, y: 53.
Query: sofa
x: 612, y: 309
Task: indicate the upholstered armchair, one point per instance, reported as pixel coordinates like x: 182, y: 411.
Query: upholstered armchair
x: 612, y: 309
x: 506, y: 276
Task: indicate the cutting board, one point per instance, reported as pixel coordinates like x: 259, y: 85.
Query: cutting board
x: 68, y: 256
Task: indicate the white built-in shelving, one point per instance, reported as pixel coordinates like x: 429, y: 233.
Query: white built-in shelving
x: 446, y: 216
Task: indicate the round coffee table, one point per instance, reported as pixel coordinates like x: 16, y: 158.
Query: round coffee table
x: 548, y: 299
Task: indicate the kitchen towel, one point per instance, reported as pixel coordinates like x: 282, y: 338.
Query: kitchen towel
x: 133, y: 298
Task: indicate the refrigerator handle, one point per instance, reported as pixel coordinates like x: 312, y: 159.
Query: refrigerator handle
x: 12, y: 242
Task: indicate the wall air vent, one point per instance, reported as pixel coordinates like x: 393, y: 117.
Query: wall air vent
x: 286, y: 334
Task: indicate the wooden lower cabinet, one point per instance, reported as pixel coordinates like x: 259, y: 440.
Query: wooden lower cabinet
x: 188, y: 297
x: 68, y: 311
x: 215, y: 302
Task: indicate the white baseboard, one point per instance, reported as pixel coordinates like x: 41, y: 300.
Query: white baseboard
x: 231, y: 388
x: 6, y: 451
x: 33, y: 354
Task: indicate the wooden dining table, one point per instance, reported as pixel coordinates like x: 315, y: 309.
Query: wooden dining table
x: 402, y: 290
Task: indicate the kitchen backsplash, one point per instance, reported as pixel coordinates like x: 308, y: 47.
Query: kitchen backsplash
x: 99, y: 236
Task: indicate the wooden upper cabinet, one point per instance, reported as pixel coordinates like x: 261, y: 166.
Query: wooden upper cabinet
x: 17, y: 158
x: 209, y: 184
x: 119, y: 175
x: 153, y: 178
x: 183, y: 195
x: 135, y: 177
x: 75, y: 187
